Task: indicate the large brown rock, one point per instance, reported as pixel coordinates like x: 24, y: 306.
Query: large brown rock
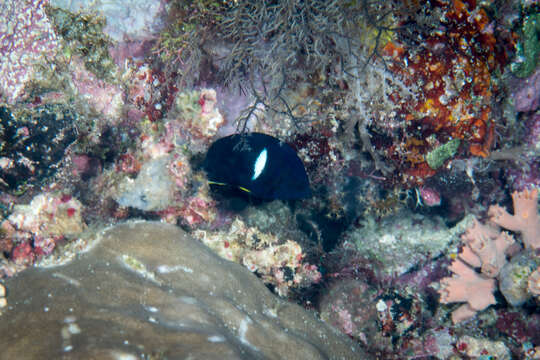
x: 146, y: 290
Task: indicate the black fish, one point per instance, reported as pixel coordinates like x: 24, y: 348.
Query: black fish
x: 258, y: 164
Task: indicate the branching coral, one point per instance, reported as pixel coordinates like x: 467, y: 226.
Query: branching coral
x: 466, y: 285
x: 485, y: 247
x: 525, y: 219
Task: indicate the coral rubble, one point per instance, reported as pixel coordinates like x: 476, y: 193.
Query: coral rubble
x: 280, y: 263
x: 35, y: 229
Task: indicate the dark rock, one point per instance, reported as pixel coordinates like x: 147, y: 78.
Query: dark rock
x: 32, y: 144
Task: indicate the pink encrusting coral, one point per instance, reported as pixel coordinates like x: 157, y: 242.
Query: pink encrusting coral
x: 35, y: 229
x: 486, y: 247
x: 105, y: 98
x: 26, y: 38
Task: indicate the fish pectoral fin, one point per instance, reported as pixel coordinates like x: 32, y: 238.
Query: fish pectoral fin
x: 216, y: 183
x: 244, y: 189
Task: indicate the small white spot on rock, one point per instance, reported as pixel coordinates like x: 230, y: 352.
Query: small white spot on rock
x: 188, y: 300
x: 70, y: 319
x: 165, y: 269
x: 216, y: 338
x: 74, y: 329
x: 381, y: 306
x: 117, y: 355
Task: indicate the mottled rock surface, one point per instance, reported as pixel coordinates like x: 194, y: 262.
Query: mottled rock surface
x: 149, y: 291
x: 514, y: 277
x: 405, y: 239
x: 152, y: 190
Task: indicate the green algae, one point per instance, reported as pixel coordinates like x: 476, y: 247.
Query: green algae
x: 83, y: 36
x: 439, y: 155
x: 528, y: 49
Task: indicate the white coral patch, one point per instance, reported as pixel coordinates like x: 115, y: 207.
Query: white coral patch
x: 242, y: 332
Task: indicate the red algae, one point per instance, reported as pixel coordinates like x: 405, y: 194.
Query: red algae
x: 455, y: 67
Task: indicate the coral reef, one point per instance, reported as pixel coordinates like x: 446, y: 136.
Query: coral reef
x: 526, y: 171
x: 349, y: 305
x: 403, y: 240
x: 27, y: 38
x: 517, y: 278
x: 151, y: 190
x: 467, y: 286
x: 454, y: 65
x: 486, y: 247
x: 528, y: 49
x: 438, y: 156
x: 278, y: 262
x: 131, y: 19
x: 527, y: 96
x: 150, y: 92
x: 3, y: 301
x: 480, y: 347
x: 157, y: 175
x: 534, y: 282
x: 525, y: 219
x: 82, y: 36
x: 199, y: 209
x: 34, y: 230
x: 198, y: 112
x: 102, y: 97
x: 411, y: 119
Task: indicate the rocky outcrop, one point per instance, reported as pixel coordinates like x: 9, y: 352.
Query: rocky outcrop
x: 148, y: 290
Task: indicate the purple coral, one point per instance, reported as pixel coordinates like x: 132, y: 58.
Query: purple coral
x: 527, y: 97
x: 528, y: 175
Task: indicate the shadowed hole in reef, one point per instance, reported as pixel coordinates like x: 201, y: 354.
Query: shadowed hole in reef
x: 323, y: 230
x: 234, y: 199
